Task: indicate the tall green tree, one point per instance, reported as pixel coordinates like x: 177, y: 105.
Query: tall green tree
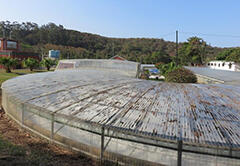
x: 160, y: 56
x: 166, y: 68
x: 224, y: 54
x: 8, y: 63
x: 230, y: 54
x: 193, y: 51
x: 234, y: 56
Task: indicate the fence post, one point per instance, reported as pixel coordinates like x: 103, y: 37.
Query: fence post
x: 52, y: 126
x: 102, y: 145
x: 22, y: 115
x: 179, y: 158
x: 230, y: 151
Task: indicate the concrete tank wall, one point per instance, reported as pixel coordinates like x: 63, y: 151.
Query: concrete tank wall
x: 100, y: 113
x: 118, y: 146
x: 127, y: 68
x: 207, y: 80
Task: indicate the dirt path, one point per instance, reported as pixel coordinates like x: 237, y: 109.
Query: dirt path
x: 19, y: 147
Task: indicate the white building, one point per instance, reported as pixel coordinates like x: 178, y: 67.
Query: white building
x: 147, y: 66
x: 224, y: 65
x: 154, y: 73
x: 54, y: 54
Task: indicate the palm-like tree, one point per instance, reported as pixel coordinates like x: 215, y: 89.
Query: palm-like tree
x: 8, y: 63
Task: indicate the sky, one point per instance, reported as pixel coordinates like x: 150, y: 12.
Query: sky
x: 216, y: 21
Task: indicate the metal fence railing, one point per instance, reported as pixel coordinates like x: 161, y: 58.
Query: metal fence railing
x: 115, y: 145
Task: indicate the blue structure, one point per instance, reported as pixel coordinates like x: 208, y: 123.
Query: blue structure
x: 154, y: 71
x: 54, y: 54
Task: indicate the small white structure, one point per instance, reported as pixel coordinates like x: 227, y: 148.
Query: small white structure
x: 154, y: 73
x: 54, y: 54
x: 147, y: 66
x: 224, y: 65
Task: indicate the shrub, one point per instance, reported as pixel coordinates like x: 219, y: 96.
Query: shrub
x: 48, y: 63
x: 31, y: 63
x: 8, y: 63
x: 166, y: 68
x: 144, y: 75
x: 181, y: 75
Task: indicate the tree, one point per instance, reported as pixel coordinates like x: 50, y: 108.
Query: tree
x: 183, y: 56
x: 166, y: 68
x: 230, y: 54
x: 193, y: 51
x: 234, y: 56
x: 74, y: 44
x: 31, y: 63
x: 224, y: 54
x: 48, y: 63
x: 8, y: 63
x: 161, y: 56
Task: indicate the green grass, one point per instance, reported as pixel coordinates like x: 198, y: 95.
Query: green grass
x: 10, y: 149
x: 11, y: 155
x: 5, y: 76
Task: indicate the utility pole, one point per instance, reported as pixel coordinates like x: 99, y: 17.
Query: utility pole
x: 113, y: 50
x: 3, y: 33
x: 177, y: 47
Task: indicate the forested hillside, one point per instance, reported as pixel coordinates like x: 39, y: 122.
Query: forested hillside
x: 74, y: 44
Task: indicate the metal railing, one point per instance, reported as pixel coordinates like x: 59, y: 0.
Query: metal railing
x: 52, y: 126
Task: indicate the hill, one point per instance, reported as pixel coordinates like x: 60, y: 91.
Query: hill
x: 75, y: 44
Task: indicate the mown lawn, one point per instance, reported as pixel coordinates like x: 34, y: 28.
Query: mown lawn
x: 5, y: 76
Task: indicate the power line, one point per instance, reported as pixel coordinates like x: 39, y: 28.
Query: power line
x: 213, y: 35
x: 168, y: 34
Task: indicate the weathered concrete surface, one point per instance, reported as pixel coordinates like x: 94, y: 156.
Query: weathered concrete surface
x: 207, y: 80
x: 174, y: 110
x: 126, y: 68
x: 205, y: 116
x: 228, y: 77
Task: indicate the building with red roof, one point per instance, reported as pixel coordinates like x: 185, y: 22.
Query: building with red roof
x: 11, y: 48
x: 117, y: 57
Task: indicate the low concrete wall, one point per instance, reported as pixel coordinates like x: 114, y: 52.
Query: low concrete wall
x: 207, y: 80
x: 127, y: 68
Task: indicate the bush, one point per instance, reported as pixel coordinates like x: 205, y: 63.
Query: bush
x: 31, y: 63
x: 181, y: 75
x: 166, y: 68
x: 144, y: 75
x: 8, y: 63
x: 48, y: 63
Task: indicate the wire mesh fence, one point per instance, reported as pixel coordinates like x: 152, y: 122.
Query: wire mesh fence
x: 112, y: 145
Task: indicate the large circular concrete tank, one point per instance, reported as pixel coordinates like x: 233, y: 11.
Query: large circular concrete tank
x: 100, y: 108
